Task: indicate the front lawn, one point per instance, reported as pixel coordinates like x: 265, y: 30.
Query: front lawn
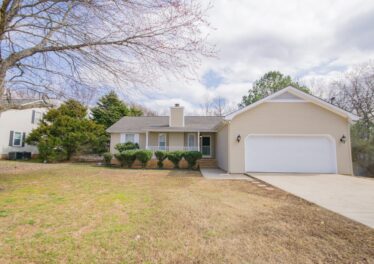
x: 74, y: 213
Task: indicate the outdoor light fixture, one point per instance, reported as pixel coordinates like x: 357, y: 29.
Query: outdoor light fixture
x: 343, y: 139
x: 238, y: 138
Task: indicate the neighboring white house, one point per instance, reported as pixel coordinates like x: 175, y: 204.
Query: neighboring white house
x: 16, y: 124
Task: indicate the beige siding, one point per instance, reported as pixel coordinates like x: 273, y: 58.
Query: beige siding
x: 153, y: 138
x: 142, y: 140
x: 114, y: 140
x: 288, y: 118
x: 222, y: 148
x: 176, y: 116
x: 176, y: 140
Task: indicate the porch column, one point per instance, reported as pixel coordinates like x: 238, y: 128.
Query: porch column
x: 198, y: 140
x: 146, y: 140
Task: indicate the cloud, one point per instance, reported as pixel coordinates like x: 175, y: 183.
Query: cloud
x: 309, y: 40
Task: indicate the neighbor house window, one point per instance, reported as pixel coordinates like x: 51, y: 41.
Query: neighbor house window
x: 36, y: 117
x: 162, y: 141
x: 17, y: 139
x: 130, y: 137
x: 191, y: 140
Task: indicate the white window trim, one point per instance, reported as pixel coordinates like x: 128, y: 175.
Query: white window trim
x: 14, y: 138
x: 159, y: 136
x: 37, y: 120
x: 124, y: 135
x: 188, y: 139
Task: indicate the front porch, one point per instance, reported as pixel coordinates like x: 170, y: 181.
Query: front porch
x: 184, y: 141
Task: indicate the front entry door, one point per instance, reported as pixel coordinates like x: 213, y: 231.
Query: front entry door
x: 205, y: 146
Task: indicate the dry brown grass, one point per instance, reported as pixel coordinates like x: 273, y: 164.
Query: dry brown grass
x: 71, y: 213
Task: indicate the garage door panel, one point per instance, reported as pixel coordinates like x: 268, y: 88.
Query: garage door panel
x: 308, y: 154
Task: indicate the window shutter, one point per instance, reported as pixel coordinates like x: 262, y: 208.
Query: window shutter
x: 23, y: 139
x: 33, y: 117
x: 11, y: 138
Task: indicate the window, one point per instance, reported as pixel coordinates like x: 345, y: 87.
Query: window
x: 130, y: 137
x: 36, y: 117
x: 191, y: 140
x: 17, y: 139
x: 162, y: 141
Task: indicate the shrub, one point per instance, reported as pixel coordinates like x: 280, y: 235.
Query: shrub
x: 121, y: 159
x: 50, y: 150
x: 129, y: 157
x: 175, y: 157
x: 126, y: 146
x: 126, y: 158
x: 143, y: 156
x: 192, y: 157
x: 161, y: 156
x: 107, y: 158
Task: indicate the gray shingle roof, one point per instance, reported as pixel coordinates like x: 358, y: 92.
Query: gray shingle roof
x: 161, y: 123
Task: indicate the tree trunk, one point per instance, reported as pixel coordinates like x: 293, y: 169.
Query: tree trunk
x: 2, y: 82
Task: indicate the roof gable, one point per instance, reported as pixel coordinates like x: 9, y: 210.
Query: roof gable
x: 291, y: 94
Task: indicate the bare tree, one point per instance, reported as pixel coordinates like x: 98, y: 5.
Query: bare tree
x: 206, y: 107
x: 355, y: 92
x: 219, y: 105
x: 62, y: 47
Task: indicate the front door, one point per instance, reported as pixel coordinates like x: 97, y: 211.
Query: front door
x: 205, y: 146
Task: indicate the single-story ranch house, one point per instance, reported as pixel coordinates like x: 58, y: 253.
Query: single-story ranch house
x: 289, y: 131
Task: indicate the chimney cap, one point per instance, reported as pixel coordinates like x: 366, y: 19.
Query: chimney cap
x: 177, y: 105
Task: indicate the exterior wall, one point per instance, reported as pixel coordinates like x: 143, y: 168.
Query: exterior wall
x: 222, y: 153
x: 18, y: 121
x: 288, y: 118
x: 176, y: 117
x: 142, y: 140
x: 176, y: 140
x: 115, y: 138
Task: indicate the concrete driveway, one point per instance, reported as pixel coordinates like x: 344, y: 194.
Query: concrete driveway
x: 350, y: 196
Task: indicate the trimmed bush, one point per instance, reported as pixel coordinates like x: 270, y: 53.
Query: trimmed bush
x: 126, y: 146
x: 126, y: 158
x: 175, y: 157
x: 192, y: 157
x: 143, y: 156
x: 161, y: 156
x: 107, y: 158
x: 120, y: 158
x: 129, y: 157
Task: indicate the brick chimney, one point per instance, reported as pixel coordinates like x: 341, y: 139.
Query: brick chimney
x: 176, y: 118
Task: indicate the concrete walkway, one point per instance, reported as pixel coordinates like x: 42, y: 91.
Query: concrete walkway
x: 350, y: 196
x: 218, y: 174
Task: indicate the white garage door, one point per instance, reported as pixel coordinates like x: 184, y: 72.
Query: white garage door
x: 304, y: 154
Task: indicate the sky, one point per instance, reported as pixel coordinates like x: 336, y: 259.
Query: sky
x: 309, y: 40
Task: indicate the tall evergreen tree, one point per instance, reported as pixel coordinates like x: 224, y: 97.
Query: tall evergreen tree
x: 110, y: 109
x: 65, y: 131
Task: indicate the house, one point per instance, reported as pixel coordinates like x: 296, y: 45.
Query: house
x: 17, y: 122
x: 288, y: 131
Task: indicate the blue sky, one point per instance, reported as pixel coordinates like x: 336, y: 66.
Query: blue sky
x: 313, y: 41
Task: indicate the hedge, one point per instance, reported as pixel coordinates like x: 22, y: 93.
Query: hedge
x: 127, y: 157
x: 161, y: 156
x: 143, y: 156
x: 191, y: 157
x: 126, y: 146
x: 107, y: 158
